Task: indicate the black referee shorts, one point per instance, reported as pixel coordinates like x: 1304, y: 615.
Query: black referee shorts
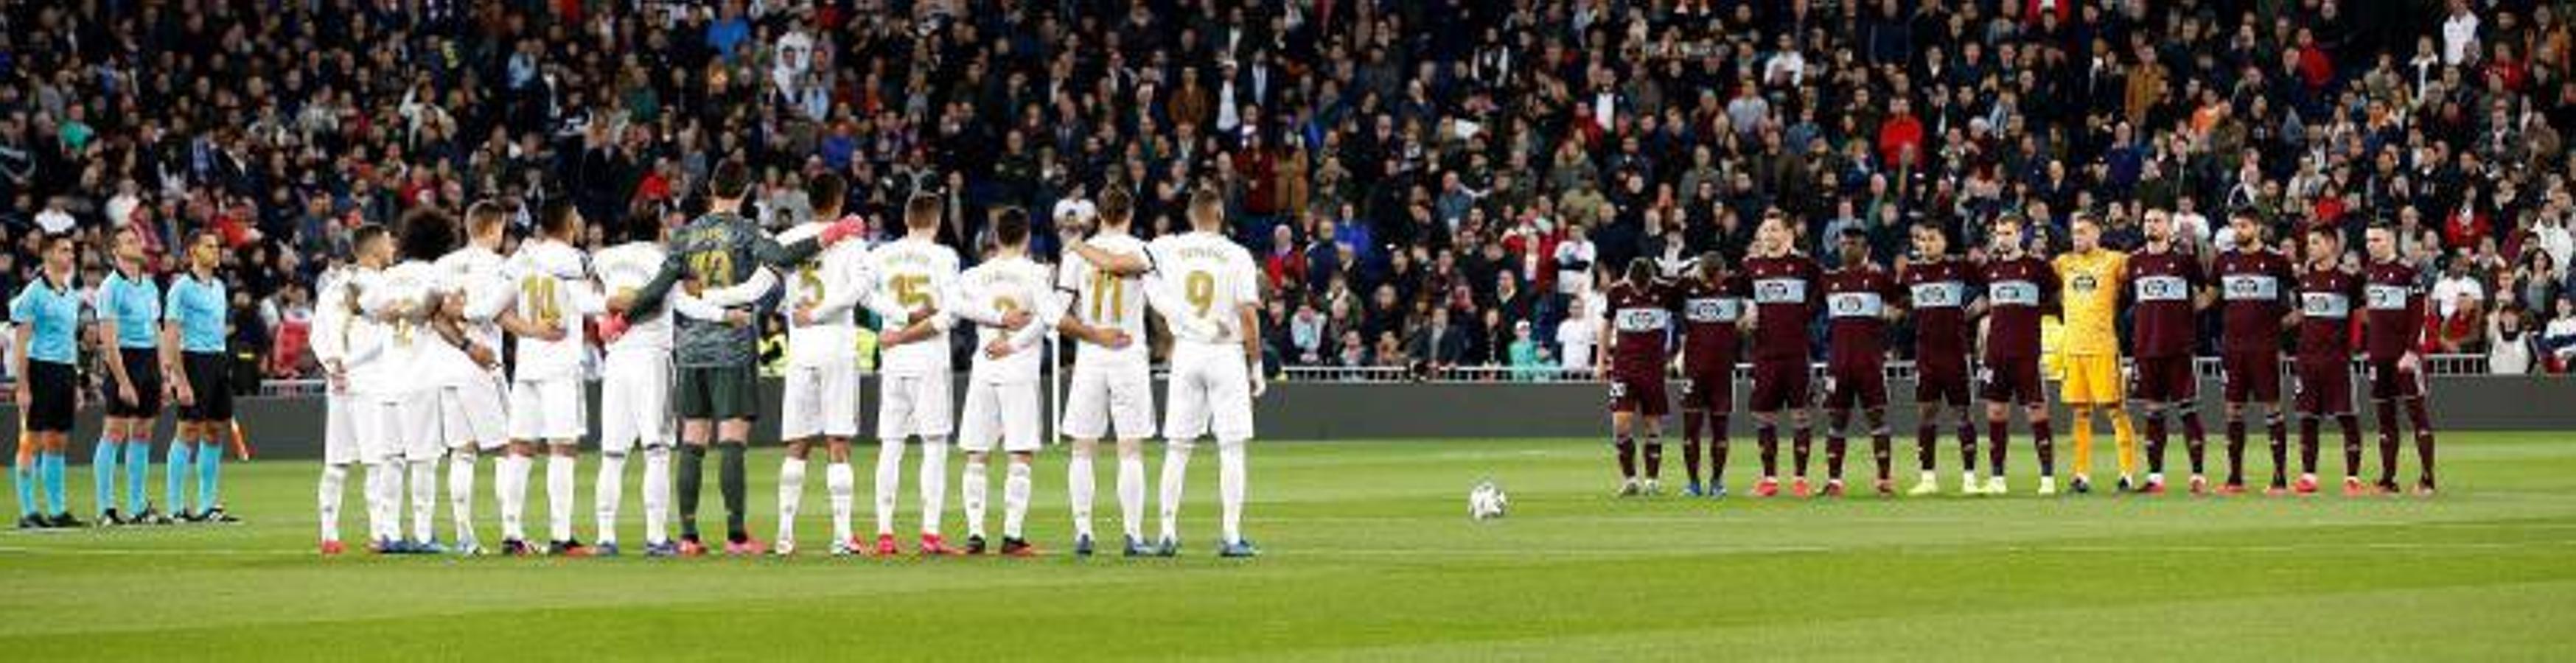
x: 143, y: 367
x: 50, y: 397
x: 210, y: 376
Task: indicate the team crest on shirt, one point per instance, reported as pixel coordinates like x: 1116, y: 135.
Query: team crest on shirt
x: 2083, y: 282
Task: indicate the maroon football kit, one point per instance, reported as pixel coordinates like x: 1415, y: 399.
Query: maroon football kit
x: 1640, y: 318
x: 2016, y: 291
x: 2394, y: 295
x: 2162, y: 289
x: 2328, y: 298
x: 2254, y: 293
x: 1786, y: 293
x: 1937, y: 293
x: 1711, y: 342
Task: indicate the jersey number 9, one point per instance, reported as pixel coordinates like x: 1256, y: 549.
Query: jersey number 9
x: 1202, y: 291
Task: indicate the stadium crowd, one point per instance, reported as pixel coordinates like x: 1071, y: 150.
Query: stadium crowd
x: 1432, y: 183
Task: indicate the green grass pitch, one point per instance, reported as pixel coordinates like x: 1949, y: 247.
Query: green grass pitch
x: 1370, y: 556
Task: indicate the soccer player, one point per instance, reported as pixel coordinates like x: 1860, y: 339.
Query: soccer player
x: 2396, y: 318
x: 906, y: 279
x: 2091, y: 277
x: 2166, y: 289
x: 1712, y: 303
x: 635, y: 378
x: 1785, y: 296
x: 718, y: 389
x: 1112, y: 381
x: 194, y: 328
x: 1640, y: 315
x: 348, y: 345
x: 1938, y: 286
x: 2254, y: 284
x: 1208, y: 290
x: 129, y: 304
x: 467, y: 398
x: 398, y: 425
x: 45, y: 359
x: 2018, y: 285
x: 1856, y: 304
x: 2326, y: 296
x: 553, y: 292
x: 1002, y: 387
x: 820, y: 403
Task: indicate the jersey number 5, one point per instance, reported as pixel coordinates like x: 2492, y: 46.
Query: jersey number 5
x: 909, y: 290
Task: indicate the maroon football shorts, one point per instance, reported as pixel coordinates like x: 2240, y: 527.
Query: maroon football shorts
x: 1709, y: 390
x: 1864, y: 384
x: 2253, y: 377
x: 1779, y: 385
x: 2325, y: 387
x: 2387, y: 381
x: 1941, y: 382
x: 1639, y: 393
x: 2165, y: 380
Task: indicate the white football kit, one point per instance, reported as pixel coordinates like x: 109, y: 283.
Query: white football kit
x: 1112, y: 388
x: 551, y: 290
x: 821, y: 395
x: 469, y: 398
x: 1204, y: 278
x: 1002, y: 393
x: 904, y: 276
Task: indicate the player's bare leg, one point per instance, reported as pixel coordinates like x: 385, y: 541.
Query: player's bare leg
x: 791, y: 494
x: 690, y: 477
x: 562, y: 458
x: 733, y: 439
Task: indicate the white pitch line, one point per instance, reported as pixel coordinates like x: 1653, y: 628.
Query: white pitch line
x: 1962, y: 548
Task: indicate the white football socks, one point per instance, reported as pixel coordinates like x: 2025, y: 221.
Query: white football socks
x: 843, y: 487
x: 559, y: 468
x: 657, y: 495
x: 1131, y: 494
x: 1079, y: 485
x: 335, y: 478
x: 1015, y: 498
x: 1176, y: 471
x: 791, y: 494
x: 889, y: 479
x: 934, y: 481
x: 1230, y: 486
x: 972, y: 495
x: 605, y: 494
x: 424, y: 498
x: 460, y: 492
x: 510, y: 487
x: 382, y: 523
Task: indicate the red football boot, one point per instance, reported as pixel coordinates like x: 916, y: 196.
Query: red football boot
x: 886, y: 546
x: 932, y: 546
x: 1767, y: 487
x: 2307, y: 485
x: 1833, y: 488
x: 1799, y: 488
x: 333, y: 548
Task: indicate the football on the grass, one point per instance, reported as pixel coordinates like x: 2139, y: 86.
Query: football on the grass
x: 1486, y: 501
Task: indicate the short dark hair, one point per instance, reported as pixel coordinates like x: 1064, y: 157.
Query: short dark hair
x: 555, y: 217
x: 731, y: 180
x: 1012, y: 229
x: 366, y: 234
x: 824, y: 192
x: 644, y: 224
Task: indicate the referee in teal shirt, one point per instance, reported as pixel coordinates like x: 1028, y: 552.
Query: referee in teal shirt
x: 47, y: 315
x: 193, y: 355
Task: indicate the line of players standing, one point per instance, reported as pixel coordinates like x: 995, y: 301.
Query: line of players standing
x: 1959, y: 306
x: 411, y: 343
